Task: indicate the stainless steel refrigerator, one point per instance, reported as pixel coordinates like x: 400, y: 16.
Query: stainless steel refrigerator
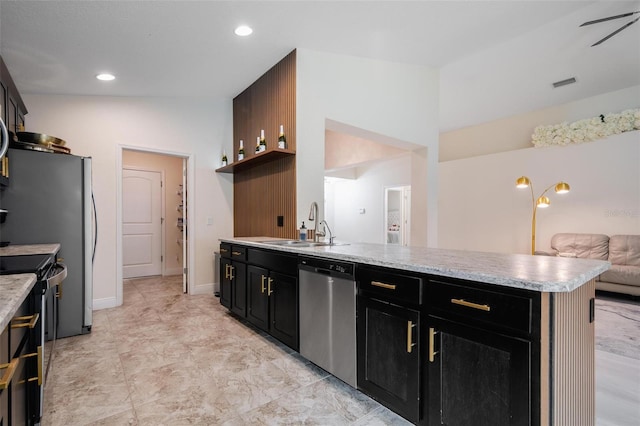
x: 49, y: 200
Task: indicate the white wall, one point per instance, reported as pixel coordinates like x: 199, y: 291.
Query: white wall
x: 395, y: 100
x: 345, y: 197
x: 515, y: 132
x: 100, y: 126
x: 481, y: 209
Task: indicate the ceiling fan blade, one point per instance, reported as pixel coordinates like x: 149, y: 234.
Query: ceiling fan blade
x: 616, y: 32
x: 609, y: 18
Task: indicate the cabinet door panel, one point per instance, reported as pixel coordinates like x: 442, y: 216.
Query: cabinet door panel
x: 239, y: 289
x: 225, y: 283
x: 387, y: 370
x: 257, y: 298
x: 477, y: 377
x: 283, y: 300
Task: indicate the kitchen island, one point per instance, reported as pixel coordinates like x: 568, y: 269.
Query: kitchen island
x: 460, y: 337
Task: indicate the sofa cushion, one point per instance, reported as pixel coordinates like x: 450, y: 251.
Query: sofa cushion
x: 586, y: 246
x: 624, y: 250
x: 622, y: 274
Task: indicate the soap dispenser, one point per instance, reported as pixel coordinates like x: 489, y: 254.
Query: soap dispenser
x: 303, y: 232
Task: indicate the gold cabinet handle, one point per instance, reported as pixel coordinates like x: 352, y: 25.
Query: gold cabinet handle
x: 38, y: 354
x: 224, y: 250
x: 59, y: 292
x: 262, y: 284
x: 10, y: 369
x: 26, y: 321
x: 410, y: 344
x: 236, y: 253
x: 383, y: 285
x: 270, y: 281
x: 231, y: 276
x: 432, y: 344
x: 226, y: 271
x: 463, y: 302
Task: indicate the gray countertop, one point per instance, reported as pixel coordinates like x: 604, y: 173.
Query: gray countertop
x: 538, y: 273
x: 15, y: 288
x: 21, y: 250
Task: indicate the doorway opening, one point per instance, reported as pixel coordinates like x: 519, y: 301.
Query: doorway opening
x: 397, y: 215
x: 153, y: 234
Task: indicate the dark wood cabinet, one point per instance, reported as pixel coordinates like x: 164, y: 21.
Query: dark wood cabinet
x: 283, y: 308
x: 476, y: 377
x: 389, y: 355
x: 273, y: 303
x: 233, y: 279
x: 481, y: 358
x: 20, y: 357
x: 12, y: 112
x: 225, y: 282
x: 258, y: 296
x: 389, y: 338
x: 261, y: 286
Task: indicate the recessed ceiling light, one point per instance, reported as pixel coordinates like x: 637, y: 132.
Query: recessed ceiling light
x: 243, y: 30
x: 105, y: 77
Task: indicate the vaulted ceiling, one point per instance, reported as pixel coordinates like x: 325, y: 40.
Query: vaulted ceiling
x: 496, y: 58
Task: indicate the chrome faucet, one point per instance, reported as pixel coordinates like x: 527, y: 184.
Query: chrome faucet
x: 313, y: 216
x: 326, y: 228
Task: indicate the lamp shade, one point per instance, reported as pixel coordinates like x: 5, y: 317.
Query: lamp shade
x: 523, y: 182
x: 543, y: 202
x: 562, y: 188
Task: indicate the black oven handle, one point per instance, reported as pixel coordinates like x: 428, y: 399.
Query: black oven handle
x: 61, y: 274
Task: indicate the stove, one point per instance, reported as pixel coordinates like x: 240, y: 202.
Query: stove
x: 37, y: 264
x: 50, y: 276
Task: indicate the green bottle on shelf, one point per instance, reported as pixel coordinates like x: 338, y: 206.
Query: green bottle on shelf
x: 282, y: 140
x: 241, y: 151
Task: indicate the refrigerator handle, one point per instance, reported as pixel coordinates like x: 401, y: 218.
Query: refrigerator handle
x: 4, y: 139
x: 95, y: 228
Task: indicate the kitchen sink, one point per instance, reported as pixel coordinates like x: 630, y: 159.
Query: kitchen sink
x: 299, y: 243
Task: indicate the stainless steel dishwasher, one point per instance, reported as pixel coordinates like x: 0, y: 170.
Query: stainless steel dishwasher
x: 328, y: 316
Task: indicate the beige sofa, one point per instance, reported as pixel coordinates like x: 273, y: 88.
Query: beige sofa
x: 623, y: 251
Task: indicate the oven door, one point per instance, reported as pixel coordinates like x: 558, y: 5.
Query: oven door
x: 52, y: 291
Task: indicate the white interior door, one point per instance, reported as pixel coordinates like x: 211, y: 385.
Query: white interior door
x: 141, y: 223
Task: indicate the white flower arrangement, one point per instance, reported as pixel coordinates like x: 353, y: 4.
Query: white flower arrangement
x: 586, y: 130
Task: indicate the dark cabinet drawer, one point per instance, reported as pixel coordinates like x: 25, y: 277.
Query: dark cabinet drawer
x: 225, y: 250
x: 390, y: 285
x: 232, y: 251
x: 512, y: 311
x: 238, y: 253
x: 274, y: 261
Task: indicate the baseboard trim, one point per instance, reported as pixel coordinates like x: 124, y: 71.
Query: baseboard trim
x: 202, y: 289
x: 105, y: 303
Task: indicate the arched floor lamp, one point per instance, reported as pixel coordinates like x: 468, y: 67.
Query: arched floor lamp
x: 542, y: 201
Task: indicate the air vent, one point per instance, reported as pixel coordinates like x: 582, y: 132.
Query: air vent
x: 564, y: 82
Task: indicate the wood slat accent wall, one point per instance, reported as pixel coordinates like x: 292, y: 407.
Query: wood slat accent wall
x: 268, y: 190
x: 573, y: 358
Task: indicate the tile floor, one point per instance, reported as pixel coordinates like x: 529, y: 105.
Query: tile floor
x: 164, y: 358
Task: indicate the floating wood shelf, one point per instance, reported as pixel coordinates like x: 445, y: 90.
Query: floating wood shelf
x: 255, y: 160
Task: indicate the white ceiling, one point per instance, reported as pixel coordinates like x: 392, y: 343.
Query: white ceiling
x: 496, y: 58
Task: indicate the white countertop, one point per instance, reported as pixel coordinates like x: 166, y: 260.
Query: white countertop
x: 539, y: 273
